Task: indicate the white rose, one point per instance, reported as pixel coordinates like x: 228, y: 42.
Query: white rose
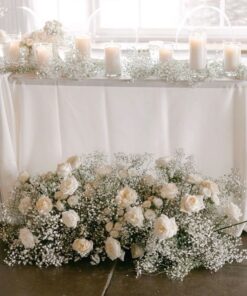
x: 126, y: 197
x: 113, y: 248
x: 73, y: 200
x: 64, y: 169
x: 150, y: 214
x: 158, y: 202
x: 146, y: 204
x: 210, y: 189
x: 82, y: 246
x: 23, y: 177
x: 59, y: 195
x: 25, y: 205
x: 194, y: 179
x: 163, y: 162
x: 114, y: 233
x: 135, y: 216
x: 109, y: 226
x: 169, y: 191
x: 136, y: 251
x: 44, y: 205
x: 192, y: 203
x: 233, y: 211
x: 27, y: 238
x: 70, y: 218
x: 69, y: 186
x: 59, y: 206
x: 74, y: 161
x: 165, y: 227
x: 118, y: 226
x: 89, y: 190
x: 103, y: 170
x: 149, y: 180
x: 123, y: 173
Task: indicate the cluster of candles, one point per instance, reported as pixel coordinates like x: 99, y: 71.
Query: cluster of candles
x: 44, y: 52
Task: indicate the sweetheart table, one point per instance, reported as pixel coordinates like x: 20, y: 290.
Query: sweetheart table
x: 42, y: 122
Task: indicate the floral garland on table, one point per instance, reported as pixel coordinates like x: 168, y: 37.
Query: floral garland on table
x: 170, y: 218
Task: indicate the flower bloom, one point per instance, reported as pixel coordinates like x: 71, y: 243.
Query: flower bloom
x: 194, y: 179
x: 27, y: 238
x: 135, y: 216
x: 74, y: 161
x: 25, y: 205
x: 70, y: 218
x: 126, y: 197
x: 192, y: 204
x: 233, y: 211
x: 69, y: 186
x: 23, y: 177
x: 113, y: 248
x: 82, y: 246
x: 165, y: 227
x: 136, y: 251
x: 64, y: 169
x: 210, y: 189
x: 44, y: 205
x: 169, y: 191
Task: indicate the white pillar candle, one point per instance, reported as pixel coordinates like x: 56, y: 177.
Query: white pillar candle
x: 112, y: 60
x: 43, y: 55
x: 198, y: 51
x: 165, y: 54
x: 14, y: 51
x: 232, y: 56
x: 83, y: 45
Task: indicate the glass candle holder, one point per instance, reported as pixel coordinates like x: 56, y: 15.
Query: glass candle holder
x: 154, y: 47
x: 64, y: 52
x: 166, y: 52
x: 112, y: 60
x: 231, y: 57
x: 12, y: 50
x: 43, y: 54
x: 83, y: 46
x: 198, y: 50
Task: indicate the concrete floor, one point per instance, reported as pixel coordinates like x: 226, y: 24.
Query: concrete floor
x: 82, y: 279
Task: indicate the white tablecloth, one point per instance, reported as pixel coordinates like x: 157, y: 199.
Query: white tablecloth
x: 44, y: 122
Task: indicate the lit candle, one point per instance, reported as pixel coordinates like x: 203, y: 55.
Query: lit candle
x: 232, y: 56
x: 165, y: 54
x: 43, y: 55
x: 198, y: 51
x: 14, y: 51
x: 112, y: 60
x: 83, y: 45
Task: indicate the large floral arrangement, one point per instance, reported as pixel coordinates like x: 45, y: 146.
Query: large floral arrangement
x: 162, y: 211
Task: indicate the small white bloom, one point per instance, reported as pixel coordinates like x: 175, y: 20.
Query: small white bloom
x: 114, y: 233
x: 148, y: 180
x: 69, y: 186
x: 59, y: 206
x: 233, y: 212
x: 169, y: 191
x: 158, y: 202
x: 82, y: 246
x: 118, y: 226
x: 23, y: 177
x: 210, y: 189
x: 123, y: 173
x: 165, y: 227
x: 64, y: 169
x: 74, y: 161
x: 150, y: 214
x: 59, y: 195
x: 163, y: 162
x: 25, y: 205
x: 136, y: 251
x: 109, y: 226
x: 70, y: 218
x: 126, y: 197
x: 135, y: 216
x: 194, y: 179
x: 103, y: 170
x: 192, y: 204
x: 44, y: 205
x: 27, y: 238
x: 89, y: 190
x: 73, y: 200
x: 146, y: 204
x: 113, y: 248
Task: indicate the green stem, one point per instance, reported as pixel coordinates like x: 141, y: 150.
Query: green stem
x: 229, y: 226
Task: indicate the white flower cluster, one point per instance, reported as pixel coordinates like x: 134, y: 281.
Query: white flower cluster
x: 168, y: 217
